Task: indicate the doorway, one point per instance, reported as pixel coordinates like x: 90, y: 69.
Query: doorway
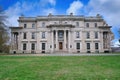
x: 60, y: 45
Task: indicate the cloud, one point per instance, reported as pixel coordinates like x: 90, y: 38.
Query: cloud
x: 74, y: 7
x: 29, y: 9
x: 108, y: 8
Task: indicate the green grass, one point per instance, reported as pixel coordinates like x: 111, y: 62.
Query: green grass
x: 60, y: 68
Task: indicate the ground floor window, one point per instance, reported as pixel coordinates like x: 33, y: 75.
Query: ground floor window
x: 33, y: 46
x: 88, y: 46
x: 24, y: 46
x: 77, y: 45
x: 96, y: 46
x: 43, y: 46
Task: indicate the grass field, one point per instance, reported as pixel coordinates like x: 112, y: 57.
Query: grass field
x: 59, y: 67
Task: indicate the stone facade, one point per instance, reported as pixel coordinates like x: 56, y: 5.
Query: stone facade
x: 61, y: 33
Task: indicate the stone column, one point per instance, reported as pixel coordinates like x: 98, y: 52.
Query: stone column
x: 69, y: 41
x: 52, y: 44
x: 64, y: 40
x: 56, y: 40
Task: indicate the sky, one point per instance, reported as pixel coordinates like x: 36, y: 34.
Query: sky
x: 108, y: 9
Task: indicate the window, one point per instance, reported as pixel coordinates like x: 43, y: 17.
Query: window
x: 88, y: 45
x: 24, y: 35
x: 43, y: 46
x: 33, y: 46
x: 88, y: 35
x: 87, y: 24
x: 96, y: 35
x: 77, y: 34
x: 43, y: 34
x: 25, y: 25
x: 77, y: 24
x: 77, y: 45
x: 33, y: 35
x: 95, y: 24
x: 96, y: 46
x: 33, y: 25
x: 65, y: 22
x: 43, y: 24
x: 24, y: 46
x: 60, y: 34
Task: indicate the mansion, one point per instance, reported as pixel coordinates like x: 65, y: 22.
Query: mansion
x: 61, y: 33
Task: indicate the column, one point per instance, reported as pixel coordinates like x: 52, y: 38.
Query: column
x: 52, y: 48
x: 64, y: 40
x: 56, y: 40
x: 69, y: 41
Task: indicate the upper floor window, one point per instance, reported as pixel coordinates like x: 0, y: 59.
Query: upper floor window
x: 25, y: 25
x: 88, y: 35
x: 24, y: 46
x: 96, y: 46
x: 77, y: 34
x: 87, y: 24
x: 43, y: 34
x: 43, y: 24
x: 96, y: 35
x: 88, y: 45
x: 77, y: 24
x: 60, y: 34
x: 33, y: 25
x: 24, y: 35
x: 33, y: 35
x: 33, y: 46
x: 95, y: 24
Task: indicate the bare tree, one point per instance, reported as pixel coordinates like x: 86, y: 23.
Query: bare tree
x: 3, y: 32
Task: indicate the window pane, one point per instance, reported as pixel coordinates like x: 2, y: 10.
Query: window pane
x: 88, y: 35
x: 96, y: 46
x: 95, y: 24
x: 25, y: 25
x: 33, y: 25
x: 24, y: 35
x: 24, y: 46
x: 77, y: 45
x: 77, y: 34
x: 96, y: 35
x: 43, y: 46
x: 33, y: 46
x: 88, y: 45
x: 33, y: 36
x: 43, y: 34
x: 87, y: 24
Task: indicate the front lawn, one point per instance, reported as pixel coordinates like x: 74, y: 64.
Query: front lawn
x: 59, y: 67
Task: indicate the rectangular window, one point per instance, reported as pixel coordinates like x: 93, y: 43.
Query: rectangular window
x: 33, y: 35
x: 77, y: 45
x: 87, y: 24
x: 33, y: 46
x: 88, y: 46
x: 24, y: 35
x: 96, y: 35
x: 96, y: 46
x: 95, y: 24
x: 60, y: 34
x: 88, y: 35
x: 43, y: 34
x: 43, y: 46
x: 77, y: 34
x: 25, y: 25
x: 33, y: 25
x: 43, y: 24
x: 24, y: 46
x: 77, y: 24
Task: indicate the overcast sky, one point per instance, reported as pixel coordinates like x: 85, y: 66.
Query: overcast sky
x: 109, y: 9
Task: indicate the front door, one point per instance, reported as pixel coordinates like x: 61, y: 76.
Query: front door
x: 60, y: 45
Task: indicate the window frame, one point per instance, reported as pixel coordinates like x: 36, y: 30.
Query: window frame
x: 24, y: 46
x: 25, y: 25
x: 77, y: 34
x: 33, y: 35
x: 24, y: 35
x: 32, y: 46
x: 77, y: 45
x: 43, y: 35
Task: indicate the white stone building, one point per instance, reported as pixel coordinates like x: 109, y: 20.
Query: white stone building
x: 61, y: 33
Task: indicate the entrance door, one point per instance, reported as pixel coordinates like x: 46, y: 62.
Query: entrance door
x: 60, y: 45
